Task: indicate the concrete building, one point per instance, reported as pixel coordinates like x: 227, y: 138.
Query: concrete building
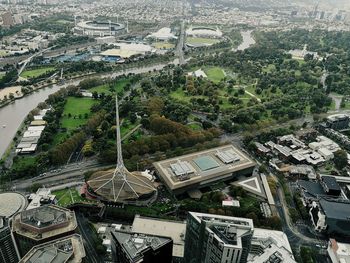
x: 42, y: 197
x: 7, y: 19
x: 64, y: 250
x: 172, y: 229
x: 331, y: 216
x: 8, y: 252
x: 99, y: 29
x: 338, y: 252
x: 270, y: 246
x: 131, y: 247
x: 197, y: 170
x: 216, y: 239
x: 338, y: 121
x: 40, y: 225
x: 12, y: 203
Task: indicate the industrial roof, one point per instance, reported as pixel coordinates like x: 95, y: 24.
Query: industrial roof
x: 173, y: 229
x: 11, y: 203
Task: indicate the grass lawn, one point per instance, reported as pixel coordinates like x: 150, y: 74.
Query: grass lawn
x: 106, y: 88
x: 76, y: 107
x: 23, y: 162
x: 127, y: 126
x: 201, y: 41
x: 215, y: 74
x: 68, y: 196
x: 163, y: 45
x: 195, y: 126
x: 36, y: 72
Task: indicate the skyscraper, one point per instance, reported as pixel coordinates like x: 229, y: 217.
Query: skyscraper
x: 8, y: 252
x: 217, y: 239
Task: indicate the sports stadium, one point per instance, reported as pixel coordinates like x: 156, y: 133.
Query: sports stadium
x: 99, y: 29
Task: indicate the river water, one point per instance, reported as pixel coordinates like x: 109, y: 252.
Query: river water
x: 13, y: 114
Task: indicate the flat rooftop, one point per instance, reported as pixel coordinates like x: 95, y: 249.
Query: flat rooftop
x: 173, y: 229
x: 134, y: 244
x: 11, y: 203
x: 202, y: 167
x: 68, y: 249
x: 44, y: 222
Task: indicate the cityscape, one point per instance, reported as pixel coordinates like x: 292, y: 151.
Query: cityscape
x: 175, y: 131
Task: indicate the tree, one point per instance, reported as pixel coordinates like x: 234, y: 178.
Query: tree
x: 340, y: 159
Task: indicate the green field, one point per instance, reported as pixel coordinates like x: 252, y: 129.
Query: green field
x: 36, y: 72
x: 195, y: 126
x: 106, y: 89
x: 77, y: 108
x: 68, y: 196
x: 215, y: 74
x: 163, y: 45
x: 201, y: 41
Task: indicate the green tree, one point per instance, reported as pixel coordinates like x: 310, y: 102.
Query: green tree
x: 340, y: 159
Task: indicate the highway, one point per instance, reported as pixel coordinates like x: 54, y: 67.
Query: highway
x: 181, y: 44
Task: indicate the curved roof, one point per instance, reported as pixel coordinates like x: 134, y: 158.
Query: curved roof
x: 94, y: 25
x: 113, y: 187
x: 11, y: 203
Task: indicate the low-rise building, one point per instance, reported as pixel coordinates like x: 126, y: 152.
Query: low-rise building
x: 42, y: 196
x: 338, y: 252
x: 197, y: 170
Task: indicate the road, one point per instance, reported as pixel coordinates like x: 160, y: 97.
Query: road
x: 181, y: 44
x: 89, y: 243
x: 70, y: 173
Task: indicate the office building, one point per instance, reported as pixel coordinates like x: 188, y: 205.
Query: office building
x: 217, y: 239
x: 154, y: 226
x: 40, y: 225
x: 8, y: 253
x: 338, y: 121
x: 131, y: 247
x: 63, y: 250
x: 338, y: 252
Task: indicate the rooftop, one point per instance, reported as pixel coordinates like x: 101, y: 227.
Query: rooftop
x: 68, y: 249
x: 11, y: 203
x: 336, y: 209
x: 173, y: 229
x: 226, y: 229
x: 331, y: 183
x: 201, y: 167
x: 44, y: 222
x: 134, y: 244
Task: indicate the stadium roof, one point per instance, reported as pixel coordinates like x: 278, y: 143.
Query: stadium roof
x: 11, y: 203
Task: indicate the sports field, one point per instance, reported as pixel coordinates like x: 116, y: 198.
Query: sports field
x: 201, y: 41
x: 36, y: 72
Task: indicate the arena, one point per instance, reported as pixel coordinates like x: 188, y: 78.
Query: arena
x: 99, y: 29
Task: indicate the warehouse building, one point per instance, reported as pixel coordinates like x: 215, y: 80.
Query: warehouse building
x: 197, y: 170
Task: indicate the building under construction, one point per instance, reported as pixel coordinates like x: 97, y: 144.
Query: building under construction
x: 119, y: 185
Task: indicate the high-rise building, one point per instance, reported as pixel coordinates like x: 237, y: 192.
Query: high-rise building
x: 8, y: 253
x: 63, y: 250
x: 40, y: 225
x: 217, y: 239
x: 131, y: 247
